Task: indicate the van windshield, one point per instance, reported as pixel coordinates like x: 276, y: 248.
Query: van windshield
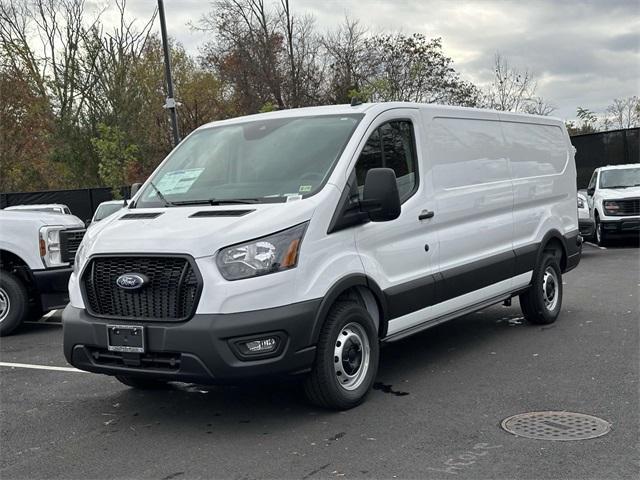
x: 620, y: 178
x: 253, y: 162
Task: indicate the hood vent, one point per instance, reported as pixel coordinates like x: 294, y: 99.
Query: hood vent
x: 140, y: 216
x: 221, y: 213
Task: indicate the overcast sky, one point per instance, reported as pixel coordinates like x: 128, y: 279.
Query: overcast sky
x: 583, y: 53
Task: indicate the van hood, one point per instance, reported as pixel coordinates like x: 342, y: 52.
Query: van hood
x: 198, y: 231
x: 619, y: 193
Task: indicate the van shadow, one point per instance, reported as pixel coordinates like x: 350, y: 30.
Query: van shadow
x: 269, y: 408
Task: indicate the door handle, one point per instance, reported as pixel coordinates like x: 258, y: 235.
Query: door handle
x: 426, y: 214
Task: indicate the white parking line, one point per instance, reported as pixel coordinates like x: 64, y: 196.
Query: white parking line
x: 41, y: 367
x: 597, y: 246
x: 49, y: 314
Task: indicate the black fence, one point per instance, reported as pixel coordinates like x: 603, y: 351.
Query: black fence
x: 594, y: 150
x: 82, y: 202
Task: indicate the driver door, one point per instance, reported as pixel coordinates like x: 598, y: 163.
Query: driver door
x: 400, y: 255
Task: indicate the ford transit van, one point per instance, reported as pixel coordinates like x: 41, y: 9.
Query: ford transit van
x: 294, y: 243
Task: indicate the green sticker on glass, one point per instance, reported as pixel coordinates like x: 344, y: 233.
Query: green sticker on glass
x: 305, y: 188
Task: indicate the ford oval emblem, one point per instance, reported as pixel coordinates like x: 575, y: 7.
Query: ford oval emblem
x: 131, y: 281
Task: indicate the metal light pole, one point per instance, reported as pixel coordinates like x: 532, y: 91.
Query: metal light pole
x: 170, y: 102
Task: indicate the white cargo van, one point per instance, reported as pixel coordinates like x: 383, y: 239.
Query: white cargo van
x: 294, y: 242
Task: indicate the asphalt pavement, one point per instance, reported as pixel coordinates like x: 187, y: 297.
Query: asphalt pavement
x: 435, y: 412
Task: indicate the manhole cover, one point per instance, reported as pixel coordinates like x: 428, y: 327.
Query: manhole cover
x: 556, y: 426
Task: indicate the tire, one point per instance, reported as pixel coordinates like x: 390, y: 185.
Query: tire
x: 14, y: 303
x: 142, y: 383
x: 348, y: 334
x: 541, y: 304
x: 599, y: 234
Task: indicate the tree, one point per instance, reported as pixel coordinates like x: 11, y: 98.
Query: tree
x: 513, y: 90
x: 538, y: 106
x: 25, y: 136
x: 588, y: 122
x: 266, y: 56
x: 415, y: 69
x: 118, y: 158
x: 348, y: 61
x: 623, y: 113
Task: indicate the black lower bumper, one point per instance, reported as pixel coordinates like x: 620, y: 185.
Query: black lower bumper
x: 621, y: 227
x: 587, y: 227
x: 53, y: 287
x: 200, y: 350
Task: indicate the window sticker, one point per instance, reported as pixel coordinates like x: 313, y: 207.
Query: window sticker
x: 178, y: 181
x: 292, y: 197
x: 305, y: 188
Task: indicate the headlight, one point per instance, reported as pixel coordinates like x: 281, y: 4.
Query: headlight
x: 580, y: 202
x: 50, y: 246
x: 611, y: 207
x: 270, y: 254
x: 81, y: 256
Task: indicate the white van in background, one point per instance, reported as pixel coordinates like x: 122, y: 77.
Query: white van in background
x: 294, y: 242
x: 614, y: 201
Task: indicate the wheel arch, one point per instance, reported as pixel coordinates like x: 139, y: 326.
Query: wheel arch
x: 356, y: 287
x: 13, y: 263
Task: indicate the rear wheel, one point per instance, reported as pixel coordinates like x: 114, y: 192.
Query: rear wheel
x: 14, y: 302
x: 346, y: 358
x: 542, y: 302
x: 142, y: 383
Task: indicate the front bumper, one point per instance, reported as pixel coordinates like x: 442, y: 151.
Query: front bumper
x: 199, y: 350
x: 624, y: 226
x: 53, y: 287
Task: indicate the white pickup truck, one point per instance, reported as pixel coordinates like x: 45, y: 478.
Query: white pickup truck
x: 37, y: 250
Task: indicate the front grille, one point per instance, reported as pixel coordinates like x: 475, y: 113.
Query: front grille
x: 626, y: 207
x: 171, y: 293
x: 69, y: 243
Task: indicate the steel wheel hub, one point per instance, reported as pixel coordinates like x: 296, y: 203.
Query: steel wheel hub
x: 5, y: 304
x: 550, y: 288
x: 351, y: 356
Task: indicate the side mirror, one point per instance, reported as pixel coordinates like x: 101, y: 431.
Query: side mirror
x: 591, y: 191
x: 134, y: 189
x: 381, y: 200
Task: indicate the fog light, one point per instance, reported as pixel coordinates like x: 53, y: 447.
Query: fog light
x: 263, y: 345
x: 269, y: 345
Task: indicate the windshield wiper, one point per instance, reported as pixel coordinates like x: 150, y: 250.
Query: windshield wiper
x: 167, y: 203
x: 215, y: 201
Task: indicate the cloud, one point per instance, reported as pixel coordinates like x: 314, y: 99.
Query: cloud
x: 584, y: 53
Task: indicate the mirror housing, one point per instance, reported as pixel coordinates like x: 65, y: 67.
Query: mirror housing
x: 381, y: 200
x: 591, y: 191
x: 134, y: 189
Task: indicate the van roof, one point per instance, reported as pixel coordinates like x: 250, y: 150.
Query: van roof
x: 345, y: 109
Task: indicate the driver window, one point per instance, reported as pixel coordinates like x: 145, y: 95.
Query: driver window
x: 390, y: 146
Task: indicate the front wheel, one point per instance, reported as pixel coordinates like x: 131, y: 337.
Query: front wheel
x: 600, y: 234
x: 542, y: 302
x: 346, y: 358
x: 14, y: 303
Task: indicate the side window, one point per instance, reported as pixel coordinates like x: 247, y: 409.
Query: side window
x: 391, y: 146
